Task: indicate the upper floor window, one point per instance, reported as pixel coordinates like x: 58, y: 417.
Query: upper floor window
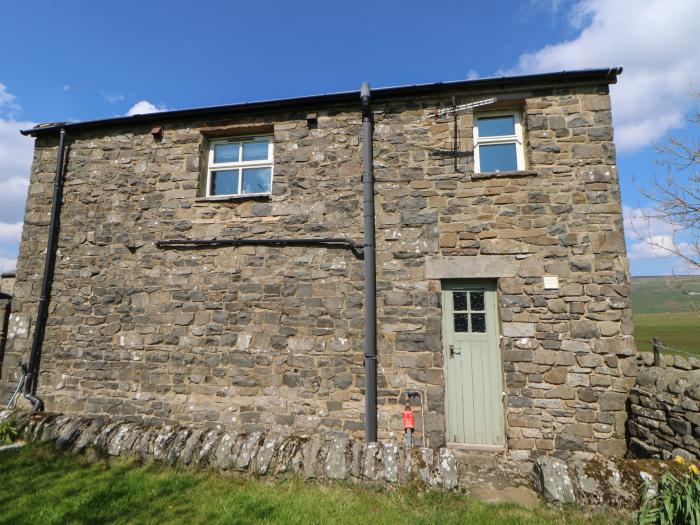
x: 240, y: 166
x: 498, y: 142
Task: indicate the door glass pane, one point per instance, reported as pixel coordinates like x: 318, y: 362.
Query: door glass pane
x: 460, y: 300
x: 461, y: 322
x: 497, y: 157
x: 226, y: 152
x: 224, y: 182
x: 477, y: 300
x: 496, y: 126
x: 257, y: 180
x: 478, y: 323
x: 255, y: 150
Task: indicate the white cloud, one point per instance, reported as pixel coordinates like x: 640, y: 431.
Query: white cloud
x: 10, y: 231
x: 655, y: 41
x: 657, y: 246
x: 8, y: 106
x: 7, y: 264
x: 16, y: 154
x: 66, y: 88
x: 661, y: 247
x: 144, y: 106
x: 644, y: 222
x: 651, y: 238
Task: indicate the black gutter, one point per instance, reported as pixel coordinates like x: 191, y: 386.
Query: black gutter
x: 337, y: 242
x: 30, y: 383
x: 541, y: 80
x: 370, y: 267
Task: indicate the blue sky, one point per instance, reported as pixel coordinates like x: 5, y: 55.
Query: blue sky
x: 83, y: 60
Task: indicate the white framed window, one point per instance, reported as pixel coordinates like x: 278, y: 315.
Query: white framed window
x: 240, y: 166
x: 498, y: 142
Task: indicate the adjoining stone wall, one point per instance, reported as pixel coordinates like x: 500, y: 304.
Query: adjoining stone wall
x: 664, y: 408
x: 267, y: 338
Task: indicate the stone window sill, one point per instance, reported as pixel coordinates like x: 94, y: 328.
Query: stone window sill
x: 503, y: 174
x: 235, y: 198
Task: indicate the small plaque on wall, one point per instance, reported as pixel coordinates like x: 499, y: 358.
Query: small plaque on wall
x: 551, y: 282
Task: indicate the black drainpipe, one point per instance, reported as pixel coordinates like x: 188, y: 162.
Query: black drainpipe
x: 30, y: 383
x: 370, y: 269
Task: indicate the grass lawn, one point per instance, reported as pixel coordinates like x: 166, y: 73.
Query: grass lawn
x: 40, y: 485
x: 680, y: 331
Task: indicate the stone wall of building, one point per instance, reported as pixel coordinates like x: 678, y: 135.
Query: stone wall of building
x: 269, y: 338
x: 664, y: 408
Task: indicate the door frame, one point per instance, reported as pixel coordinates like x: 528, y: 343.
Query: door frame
x: 491, y: 285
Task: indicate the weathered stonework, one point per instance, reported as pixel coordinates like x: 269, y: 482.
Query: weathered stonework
x: 664, y: 408
x: 270, y: 339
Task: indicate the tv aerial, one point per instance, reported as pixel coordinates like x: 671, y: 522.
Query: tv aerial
x: 454, y: 110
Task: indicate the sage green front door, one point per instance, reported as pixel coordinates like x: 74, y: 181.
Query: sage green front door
x: 473, y: 370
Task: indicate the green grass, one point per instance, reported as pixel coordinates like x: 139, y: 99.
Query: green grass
x: 39, y: 485
x: 680, y: 331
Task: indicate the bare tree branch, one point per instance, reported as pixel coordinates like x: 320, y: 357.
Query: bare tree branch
x: 676, y: 198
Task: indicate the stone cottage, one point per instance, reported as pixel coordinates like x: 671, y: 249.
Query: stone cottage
x: 502, y: 280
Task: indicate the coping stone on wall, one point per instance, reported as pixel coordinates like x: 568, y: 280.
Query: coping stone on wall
x: 466, y: 267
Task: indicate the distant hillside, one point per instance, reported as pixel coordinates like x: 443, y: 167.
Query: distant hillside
x: 667, y: 294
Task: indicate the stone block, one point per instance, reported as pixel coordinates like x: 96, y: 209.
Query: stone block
x: 553, y: 481
x: 612, y: 401
x: 584, y: 330
x: 514, y: 329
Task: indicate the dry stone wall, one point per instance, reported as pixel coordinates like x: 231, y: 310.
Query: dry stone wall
x: 615, y: 482
x: 257, y: 453
x: 265, y: 338
x: 664, y: 405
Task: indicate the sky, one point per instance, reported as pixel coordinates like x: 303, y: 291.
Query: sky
x: 84, y: 60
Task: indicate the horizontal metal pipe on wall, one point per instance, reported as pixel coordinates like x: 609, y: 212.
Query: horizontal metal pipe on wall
x: 338, y: 242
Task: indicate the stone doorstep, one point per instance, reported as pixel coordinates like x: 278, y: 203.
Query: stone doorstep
x: 492, y: 476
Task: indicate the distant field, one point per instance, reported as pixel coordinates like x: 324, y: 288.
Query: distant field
x: 657, y: 295
x: 667, y: 308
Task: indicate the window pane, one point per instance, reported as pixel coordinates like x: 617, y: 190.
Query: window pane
x: 226, y: 152
x: 495, y: 126
x: 461, y: 322
x: 479, y: 323
x: 224, y: 182
x: 459, y: 300
x: 256, y: 150
x: 497, y: 157
x: 257, y: 180
x: 477, y: 300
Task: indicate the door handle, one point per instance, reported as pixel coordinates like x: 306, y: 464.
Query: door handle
x: 452, y: 351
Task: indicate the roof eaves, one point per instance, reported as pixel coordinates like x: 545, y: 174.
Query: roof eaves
x: 607, y: 76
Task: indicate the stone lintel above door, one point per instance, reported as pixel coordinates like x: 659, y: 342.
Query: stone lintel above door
x: 470, y: 267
